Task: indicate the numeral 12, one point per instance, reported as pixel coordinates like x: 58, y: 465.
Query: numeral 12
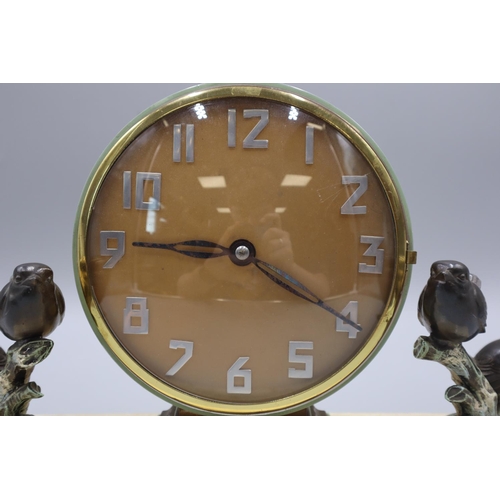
x: 250, y: 140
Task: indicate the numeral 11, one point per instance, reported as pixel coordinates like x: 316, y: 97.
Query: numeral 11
x: 178, y: 142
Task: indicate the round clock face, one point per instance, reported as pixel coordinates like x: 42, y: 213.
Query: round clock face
x: 242, y: 249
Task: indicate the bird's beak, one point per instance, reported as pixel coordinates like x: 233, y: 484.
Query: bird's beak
x: 31, y: 280
x: 442, y: 277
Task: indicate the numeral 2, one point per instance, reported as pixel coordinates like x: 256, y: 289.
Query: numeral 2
x: 348, y: 207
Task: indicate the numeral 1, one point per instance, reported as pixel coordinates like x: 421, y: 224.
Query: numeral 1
x: 188, y: 354
x: 189, y: 143
x: 235, y: 372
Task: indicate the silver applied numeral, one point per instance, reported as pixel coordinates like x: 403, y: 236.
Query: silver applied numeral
x: 349, y: 206
x: 190, y: 143
x: 373, y: 251
x: 250, y: 140
x: 127, y: 189
x: 309, y: 144
x: 140, y: 181
x: 188, y: 354
x: 231, y: 128
x: 115, y: 252
x: 177, y: 143
x: 136, y: 309
x: 350, y: 311
x: 176, y: 156
x: 236, y: 372
x: 305, y: 359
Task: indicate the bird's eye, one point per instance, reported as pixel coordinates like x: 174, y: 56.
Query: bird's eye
x: 462, y: 277
x: 18, y: 278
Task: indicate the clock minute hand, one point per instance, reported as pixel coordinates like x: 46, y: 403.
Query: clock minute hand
x: 290, y: 284
x: 194, y: 251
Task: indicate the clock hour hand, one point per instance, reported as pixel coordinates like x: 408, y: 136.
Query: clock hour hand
x: 290, y: 284
x: 190, y: 248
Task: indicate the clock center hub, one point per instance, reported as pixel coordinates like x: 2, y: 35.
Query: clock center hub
x: 242, y: 252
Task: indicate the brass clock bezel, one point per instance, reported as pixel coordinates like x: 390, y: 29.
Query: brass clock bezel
x: 310, y: 104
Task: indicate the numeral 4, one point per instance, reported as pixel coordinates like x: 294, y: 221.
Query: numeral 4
x: 350, y: 311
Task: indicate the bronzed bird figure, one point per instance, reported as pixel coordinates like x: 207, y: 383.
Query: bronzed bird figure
x: 488, y: 361
x: 452, y: 307
x: 31, y: 304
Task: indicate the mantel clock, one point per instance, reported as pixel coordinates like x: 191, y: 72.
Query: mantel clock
x: 242, y: 249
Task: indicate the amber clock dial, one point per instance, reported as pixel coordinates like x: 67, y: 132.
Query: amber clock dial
x: 242, y: 249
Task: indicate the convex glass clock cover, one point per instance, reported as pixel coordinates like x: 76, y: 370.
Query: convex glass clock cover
x: 242, y: 249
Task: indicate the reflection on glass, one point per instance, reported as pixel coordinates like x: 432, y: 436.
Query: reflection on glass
x: 294, y: 113
x: 292, y: 180
x: 199, y: 109
x: 212, y: 181
x: 152, y: 215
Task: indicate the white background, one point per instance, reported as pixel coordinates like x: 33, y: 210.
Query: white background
x: 441, y: 141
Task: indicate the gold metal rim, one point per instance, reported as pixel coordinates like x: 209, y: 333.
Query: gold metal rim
x: 309, y: 104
